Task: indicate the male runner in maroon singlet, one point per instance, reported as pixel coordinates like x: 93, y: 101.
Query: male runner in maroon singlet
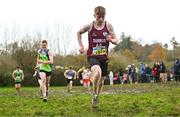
x: 100, y: 33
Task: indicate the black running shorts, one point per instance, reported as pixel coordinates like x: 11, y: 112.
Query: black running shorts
x: 102, y: 63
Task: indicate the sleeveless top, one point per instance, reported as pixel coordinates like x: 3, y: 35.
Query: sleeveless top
x: 70, y: 74
x: 18, y: 75
x: 44, y: 57
x: 98, y: 45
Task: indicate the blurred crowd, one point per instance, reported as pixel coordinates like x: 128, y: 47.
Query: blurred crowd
x: 145, y: 73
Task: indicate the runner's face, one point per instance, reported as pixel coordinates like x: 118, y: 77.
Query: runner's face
x: 44, y: 45
x: 100, y: 18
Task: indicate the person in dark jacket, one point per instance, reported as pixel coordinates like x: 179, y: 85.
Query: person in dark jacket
x: 148, y: 72
x: 129, y: 72
x: 120, y: 74
x: 162, y: 71
x: 177, y: 70
x: 134, y: 74
x: 143, y: 74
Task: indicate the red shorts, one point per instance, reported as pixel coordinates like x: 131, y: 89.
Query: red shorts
x: 86, y: 81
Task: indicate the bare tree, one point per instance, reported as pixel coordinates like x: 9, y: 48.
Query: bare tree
x: 14, y: 32
x: 67, y: 37
x: 57, y: 38
x: 174, y: 43
x: 6, y: 38
x: 63, y: 37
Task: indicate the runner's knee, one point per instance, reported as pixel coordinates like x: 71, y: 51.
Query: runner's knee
x: 96, y: 71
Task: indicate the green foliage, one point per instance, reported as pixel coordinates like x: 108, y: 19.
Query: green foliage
x: 117, y: 59
x: 139, y: 51
x: 126, y: 43
x: 7, y: 65
x: 76, y: 61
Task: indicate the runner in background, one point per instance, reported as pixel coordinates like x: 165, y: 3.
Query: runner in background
x: 70, y: 74
x: 18, y: 76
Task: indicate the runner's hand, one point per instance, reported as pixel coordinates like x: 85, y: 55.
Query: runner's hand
x: 40, y: 61
x: 109, y: 38
x: 81, y: 50
x: 81, y: 81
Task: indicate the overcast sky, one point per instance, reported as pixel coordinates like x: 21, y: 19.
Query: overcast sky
x: 146, y: 20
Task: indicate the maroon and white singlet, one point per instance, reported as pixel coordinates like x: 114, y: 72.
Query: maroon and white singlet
x: 98, y: 45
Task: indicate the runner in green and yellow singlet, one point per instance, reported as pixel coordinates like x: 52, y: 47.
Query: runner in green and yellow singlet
x: 18, y: 76
x: 45, y: 61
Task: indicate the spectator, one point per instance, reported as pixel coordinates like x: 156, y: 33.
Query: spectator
x: 134, y: 74
x: 129, y: 73
x: 143, y: 74
x: 162, y: 71
x: 111, y: 77
x: 148, y: 73
x: 172, y: 76
x: 168, y: 72
x: 177, y: 70
x: 155, y: 73
x: 116, y: 78
x: 124, y: 78
x: 120, y: 74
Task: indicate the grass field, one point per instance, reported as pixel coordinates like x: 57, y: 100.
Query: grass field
x: 117, y: 100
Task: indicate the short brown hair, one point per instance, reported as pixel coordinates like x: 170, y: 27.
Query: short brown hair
x: 44, y: 41
x: 100, y: 10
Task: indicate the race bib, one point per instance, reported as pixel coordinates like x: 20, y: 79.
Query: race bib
x: 18, y: 78
x: 99, y: 50
x: 69, y: 77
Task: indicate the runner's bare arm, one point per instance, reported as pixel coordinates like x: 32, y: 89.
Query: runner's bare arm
x: 35, y: 73
x: 81, y: 31
x: 65, y: 74
x: 78, y: 72
x: 13, y: 75
x: 22, y: 75
x: 74, y: 74
x: 112, y: 38
x: 77, y: 75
